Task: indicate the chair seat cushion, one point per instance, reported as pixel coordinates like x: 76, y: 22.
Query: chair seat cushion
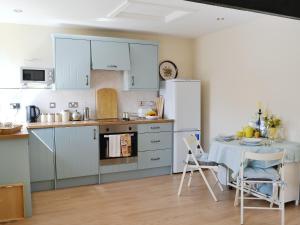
x: 254, y: 173
x: 203, y: 161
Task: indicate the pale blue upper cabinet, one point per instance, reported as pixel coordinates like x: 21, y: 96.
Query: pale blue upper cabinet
x: 72, y: 63
x: 77, y: 151
x: 110, y: 55
x: 143, y: 74
x: 41, y: 154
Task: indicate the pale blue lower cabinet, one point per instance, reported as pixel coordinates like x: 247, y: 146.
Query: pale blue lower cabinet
x: 41, y: 155
x: 77, y: 151
x: 152, y: 159
x: 14, y: 167
x: 155, y: 141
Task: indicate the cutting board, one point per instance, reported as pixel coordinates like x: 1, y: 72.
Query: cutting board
x: 106, y: 103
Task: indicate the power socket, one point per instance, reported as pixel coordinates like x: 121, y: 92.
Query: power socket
x: 52, y: 105
x: 15, y: 105
x: 73, y: 104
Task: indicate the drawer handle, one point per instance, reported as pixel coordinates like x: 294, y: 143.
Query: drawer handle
x: 155, y: 159
x: 154, y: 128
x: 112, y: 66
x: 155, y: 141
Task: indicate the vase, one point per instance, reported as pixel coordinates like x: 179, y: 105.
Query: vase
x: 272, y: 133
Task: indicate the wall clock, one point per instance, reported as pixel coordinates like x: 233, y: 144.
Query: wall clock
x: 168, y: 70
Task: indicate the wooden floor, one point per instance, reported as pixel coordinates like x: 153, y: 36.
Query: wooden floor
x: 151, y: 201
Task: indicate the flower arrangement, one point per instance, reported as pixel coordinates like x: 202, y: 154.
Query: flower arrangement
x: 272, y: 121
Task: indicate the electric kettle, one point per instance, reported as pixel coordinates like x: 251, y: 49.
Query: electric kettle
x: 32, y: 113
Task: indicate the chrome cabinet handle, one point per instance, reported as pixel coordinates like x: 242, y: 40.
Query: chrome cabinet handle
x: 112, y: 66
x: 155, y: 159
x: 94, y: 134
x: 155, y: 141
x: 87, y: 80
x: 132, y: 81
x: 154, y: 128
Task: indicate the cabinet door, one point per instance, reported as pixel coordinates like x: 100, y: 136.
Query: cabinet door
x: 72, y: 63
x: 41, y: 155
x: 144, y: 67
x: 110, y: 55
x: 77, y: 151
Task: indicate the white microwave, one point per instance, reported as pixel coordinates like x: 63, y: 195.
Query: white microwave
x: 42, y: 76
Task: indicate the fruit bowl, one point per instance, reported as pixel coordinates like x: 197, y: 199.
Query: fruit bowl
x: 152, y: 117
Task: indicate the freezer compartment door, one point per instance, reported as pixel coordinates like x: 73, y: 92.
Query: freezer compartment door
x: 180, y: 150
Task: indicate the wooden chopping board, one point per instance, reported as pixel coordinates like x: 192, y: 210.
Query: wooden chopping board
x: 106, y: 103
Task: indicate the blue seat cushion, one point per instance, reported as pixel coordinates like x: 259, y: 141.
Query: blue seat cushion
x: 255, y: 173
x: 203, y: 160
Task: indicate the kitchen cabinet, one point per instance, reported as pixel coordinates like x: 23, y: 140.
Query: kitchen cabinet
x: 110, y: 55
x: 41, y: 155
x: 143, y: 74
x: 72, y: 63
x: 77, y: 151
x: 155, y: 144
x: 152, y: 159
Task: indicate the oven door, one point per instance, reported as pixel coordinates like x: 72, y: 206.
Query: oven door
x: 118, y: 147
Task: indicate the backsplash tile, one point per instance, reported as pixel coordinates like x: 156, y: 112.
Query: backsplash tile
x: 127, y: 100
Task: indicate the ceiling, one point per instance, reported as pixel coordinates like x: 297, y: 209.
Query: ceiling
x: 174, y: 17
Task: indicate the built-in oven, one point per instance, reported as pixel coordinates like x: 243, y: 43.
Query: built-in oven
x: 118, y: 144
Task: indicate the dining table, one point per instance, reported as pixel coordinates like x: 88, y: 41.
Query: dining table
x: 228, y: 155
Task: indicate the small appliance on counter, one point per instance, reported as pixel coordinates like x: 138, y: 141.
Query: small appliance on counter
x: 86, y: 114
x: 32, y: 113
x: 76, y: 116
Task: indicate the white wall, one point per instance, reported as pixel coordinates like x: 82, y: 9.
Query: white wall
x: 25, y: 45
x: 258, y: 61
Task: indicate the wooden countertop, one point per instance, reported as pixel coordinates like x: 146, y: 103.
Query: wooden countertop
x: 22, y: 134
x: 94, y: 123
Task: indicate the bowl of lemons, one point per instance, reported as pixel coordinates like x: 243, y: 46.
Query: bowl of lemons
x: 152, y: 115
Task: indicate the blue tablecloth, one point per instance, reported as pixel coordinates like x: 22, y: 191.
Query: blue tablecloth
x: 230, y: 153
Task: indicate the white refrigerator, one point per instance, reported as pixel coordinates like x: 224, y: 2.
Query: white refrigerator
x: 183, y: 104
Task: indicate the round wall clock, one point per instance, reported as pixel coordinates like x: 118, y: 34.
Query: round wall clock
x: 168, y: 70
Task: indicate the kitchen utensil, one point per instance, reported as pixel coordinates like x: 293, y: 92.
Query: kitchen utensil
x: 65, y: 115
x: 86, y: 114
x: 160, y: 106
x: 76, y: 116
x: 106, y: 103
x: 32, y: 113
x: 58, y: 117
x: 50, y: 117
x: 125, y: 116
x: 44, y: 118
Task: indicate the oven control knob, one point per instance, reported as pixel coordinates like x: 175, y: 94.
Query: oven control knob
x: 107, y: 129
x: 130, y: 128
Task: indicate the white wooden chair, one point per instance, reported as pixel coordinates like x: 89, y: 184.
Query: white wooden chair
x: 196, y: 159
x: 247, y: 179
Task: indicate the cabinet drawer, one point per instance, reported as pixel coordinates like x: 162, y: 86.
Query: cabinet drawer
x: 155, y: 127
x: 154, y: 141
x: 152, y: 159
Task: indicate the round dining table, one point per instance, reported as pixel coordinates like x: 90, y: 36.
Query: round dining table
x: 228, y: 154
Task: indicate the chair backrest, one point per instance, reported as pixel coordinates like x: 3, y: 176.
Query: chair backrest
x: 192, y: 144
x: 277, y: 156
